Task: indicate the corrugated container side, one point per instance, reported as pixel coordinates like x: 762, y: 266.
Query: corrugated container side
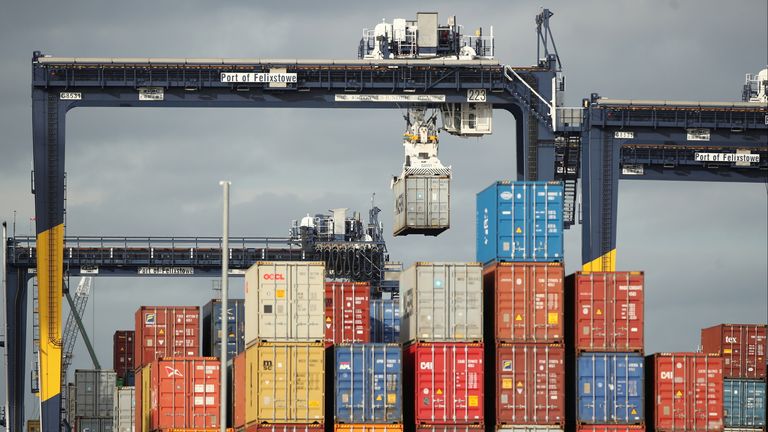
x: 33, y: 425
x: 744, y: 403
x: 744, y: 430
x: 122, y: 354
x: 347, y: 312
x: 368, y: 384
x: 685, y: 392
x: 422, y: 205
x: 166, y: 331
x: 285, y: 383
x: 610, y: 428
x: 610, y: 388
x: 95, y: 393
x: 529, y: 382
x: 284, y: 301
x: 520, y: 221
x: 528, y: 428
x: 239, y: 385
x: 125, y: 409
x: 213, y: 330
x: 527, y: 301
x: 450, y: 428
x: 742, y: 346
x: 93, y: 424
x: 385, y: 321
x: 368, y: 428
x: 446, y: 383
x: 180, y: 393
x: 609, y: 310
x: 441, y: 302
x: 274, y: 427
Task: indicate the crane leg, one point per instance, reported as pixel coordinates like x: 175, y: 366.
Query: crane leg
x: 15, y: 344
x: 599, y: 187
x: 48, y: 145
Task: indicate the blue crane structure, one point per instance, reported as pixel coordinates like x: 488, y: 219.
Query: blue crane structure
x: 599, y: 143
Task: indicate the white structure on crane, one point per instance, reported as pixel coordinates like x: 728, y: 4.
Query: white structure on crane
x: 756, y: 87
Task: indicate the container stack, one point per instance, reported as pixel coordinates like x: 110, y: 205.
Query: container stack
x: 175, y: 387
x: 124, y: 410
x: 743, y: 349
x: 520, y: 241
x: 685, y: 392
x: 284, y: 365
x: 441, y: 310
x: 213, y: 331
x: 94, y: 404
x: 122, y: 357
x: 606, y: 335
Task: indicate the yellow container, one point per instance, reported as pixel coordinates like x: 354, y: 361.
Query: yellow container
x: 33, y: 425
x: 357, y: 427
x: 285, y: 382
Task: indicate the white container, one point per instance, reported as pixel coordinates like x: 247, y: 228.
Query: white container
x: 441, y: 302
x: 422, y: 204
x: 285, y: 302
x: 125, y: 409
x: 94, y: 393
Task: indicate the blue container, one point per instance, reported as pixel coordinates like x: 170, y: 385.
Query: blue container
x: 385, y: 321
x: 744, y: 403
x: 520, y: 221
x: 212, y: 328
x: 368, y: 383
x: 610, y: 388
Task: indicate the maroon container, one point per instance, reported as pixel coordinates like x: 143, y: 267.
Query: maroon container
x: 528, y: 301
x: 446, y: 381
x: 608, y: 310
x: 166, y: 331
x: 687, y: 392
x: 122, y: 353
x: 530, y: 384
x: 742, y: 346
x: 347, y: 312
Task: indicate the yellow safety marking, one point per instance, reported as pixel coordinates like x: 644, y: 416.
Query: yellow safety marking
x: 280, y: 294
x: 50, y: 269
x: 391, y: 398
x: 506, y: 383
x: 439, y: 391
x: 474, y: 401
x: 599, y: 312
x: 605, y: 263
x: 518, y: 317
x: 553, y: 318
x: 518, y: 231
x: 679, y: 394
x: 519, y: 384
x: 634, y: 411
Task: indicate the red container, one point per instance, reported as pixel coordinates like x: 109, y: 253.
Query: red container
x: 295, y: 427
x: 530, y: 384
x: 608, y: 310
x: 687, y: 392
x: 122, y: 352
x: 347, y: 312
x: 527, y: 299
x: 446, y: 381
x: 183, y: 394
x: 742, y: 346
x: 610, y: 428
x: 238, y: 391
x: 166, y: 331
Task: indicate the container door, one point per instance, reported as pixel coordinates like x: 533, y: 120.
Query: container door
x: 628, y: 399
x: 351, y: 387
x: 593, y: 372
x: 432, y: 302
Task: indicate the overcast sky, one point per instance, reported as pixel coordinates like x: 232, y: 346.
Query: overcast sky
x: 156, y: 171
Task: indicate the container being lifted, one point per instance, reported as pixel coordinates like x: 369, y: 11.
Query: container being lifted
x: 423, y: 189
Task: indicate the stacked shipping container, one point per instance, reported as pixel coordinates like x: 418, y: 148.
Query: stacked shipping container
x: 122, y: 356
x: 284, y: 361
x: 94, y: 400
x: 441, y: 312
x: 385, y: 321
x: 213, y: 331
x: 520, y: 239
x: 606, y: 337
x: 743, y: 349
x: 685, y: 392
x: 174, y: 387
